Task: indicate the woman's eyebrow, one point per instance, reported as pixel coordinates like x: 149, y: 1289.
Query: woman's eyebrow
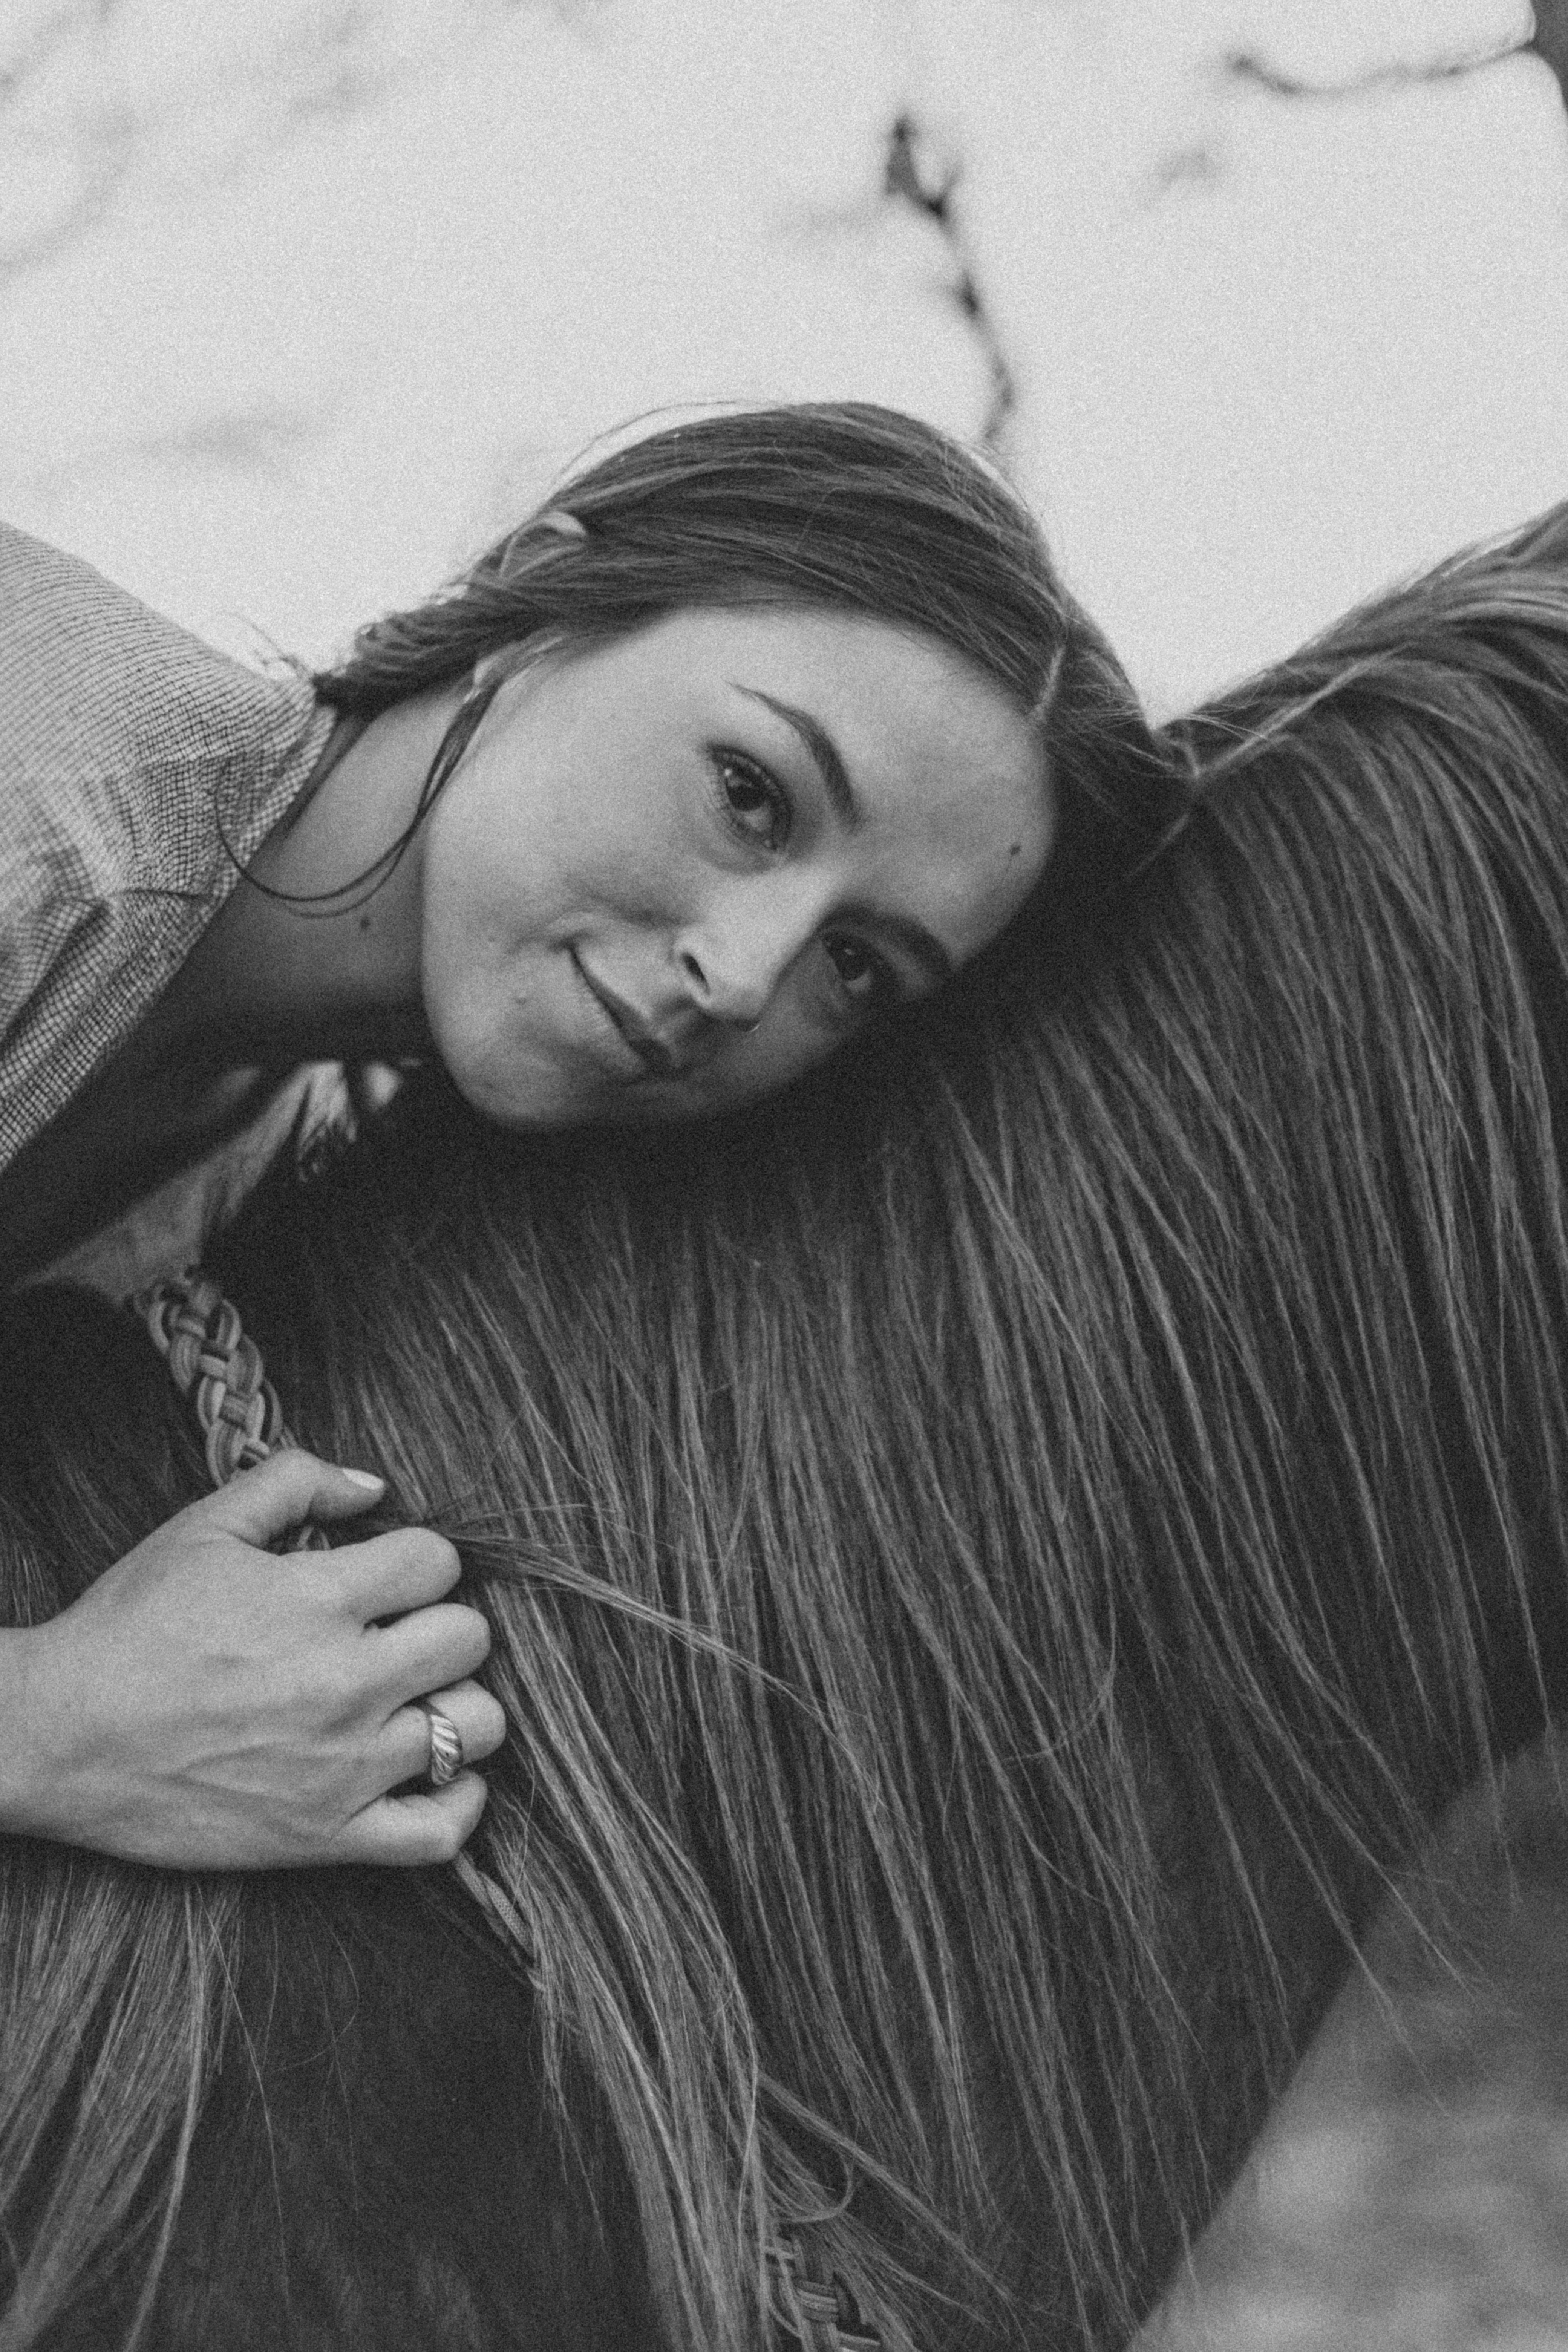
x: 824, y: 751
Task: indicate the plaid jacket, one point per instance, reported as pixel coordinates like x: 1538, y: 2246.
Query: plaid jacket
x: 129, y: 750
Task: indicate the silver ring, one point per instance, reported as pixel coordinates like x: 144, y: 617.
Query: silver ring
x: 446, y: 1745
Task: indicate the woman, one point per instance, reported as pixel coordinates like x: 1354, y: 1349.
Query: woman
x: 992, y: 1564
x: 660, y: 803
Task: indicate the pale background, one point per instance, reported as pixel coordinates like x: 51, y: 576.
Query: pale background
x: 1263, y: 301
x: 300, y: 302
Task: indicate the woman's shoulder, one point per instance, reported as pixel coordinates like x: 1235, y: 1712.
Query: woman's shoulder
x: 139, y: 769
x: 106, y: 699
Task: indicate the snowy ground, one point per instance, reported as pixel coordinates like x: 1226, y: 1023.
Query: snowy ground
x: 300, y: 301
x: 1264, y: 301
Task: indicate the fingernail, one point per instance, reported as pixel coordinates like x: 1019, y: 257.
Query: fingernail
x: 362, y: 1477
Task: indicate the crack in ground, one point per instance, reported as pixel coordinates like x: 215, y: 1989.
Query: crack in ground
x: 911, y: 177
x: 1246, y: 65
x: 43, y: 44
x: 102, y: 154
x: 99, y: 176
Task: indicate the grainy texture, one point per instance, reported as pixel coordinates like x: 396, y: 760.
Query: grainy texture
x: 1411, y: 2194
x: 138, y: 769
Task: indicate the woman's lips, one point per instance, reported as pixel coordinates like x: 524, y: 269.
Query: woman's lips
x: 657, y: 1058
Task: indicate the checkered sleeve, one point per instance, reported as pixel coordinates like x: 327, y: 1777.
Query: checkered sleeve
x: 139, y: 769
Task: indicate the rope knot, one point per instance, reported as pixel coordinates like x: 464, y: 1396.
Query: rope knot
x: 212, y: 1362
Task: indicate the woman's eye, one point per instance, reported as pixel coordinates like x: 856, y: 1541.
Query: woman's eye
x: 755, y: 805
x: 865, y: 979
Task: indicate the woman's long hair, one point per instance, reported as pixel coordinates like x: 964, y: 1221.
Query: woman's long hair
x: 993, y: 1558
x: 827, y: 505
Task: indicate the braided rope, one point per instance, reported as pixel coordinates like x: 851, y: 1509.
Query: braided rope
x: 810, y: 2300
x: 197, y: 1329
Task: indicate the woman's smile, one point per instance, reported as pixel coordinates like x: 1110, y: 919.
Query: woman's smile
x: 648, y: 1055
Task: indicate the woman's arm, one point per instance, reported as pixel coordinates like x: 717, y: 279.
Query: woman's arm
x: 209, y: 1704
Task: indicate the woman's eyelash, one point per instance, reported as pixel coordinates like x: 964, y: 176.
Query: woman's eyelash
x: 754, y: 804
x: 867, y: 980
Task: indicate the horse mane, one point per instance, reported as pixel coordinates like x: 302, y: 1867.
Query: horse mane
x: 996, y: 1558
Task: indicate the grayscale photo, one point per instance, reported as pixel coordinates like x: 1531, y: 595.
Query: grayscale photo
x: 784, y: 1271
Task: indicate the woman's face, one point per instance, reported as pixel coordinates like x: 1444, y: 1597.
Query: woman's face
x: 672, y: 872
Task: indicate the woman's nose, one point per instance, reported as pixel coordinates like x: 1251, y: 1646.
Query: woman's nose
x: 733, y: 962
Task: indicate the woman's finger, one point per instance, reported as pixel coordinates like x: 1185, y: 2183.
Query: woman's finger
x: 429, y: 1650
x: 476, y: 1714
x: 410, y: 1833
x: 402, y: 1752
x: 405, y: 1568
x: 291, y: 1485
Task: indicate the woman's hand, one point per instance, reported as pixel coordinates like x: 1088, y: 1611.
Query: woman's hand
x: 208, y: 1704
